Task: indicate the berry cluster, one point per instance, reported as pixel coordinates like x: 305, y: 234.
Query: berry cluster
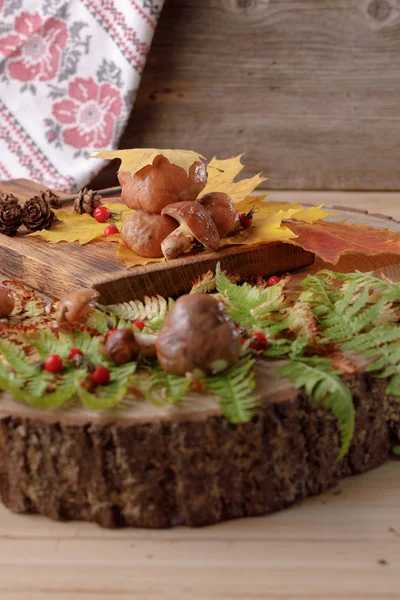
x: 102, y: 214
x: 99, y: 375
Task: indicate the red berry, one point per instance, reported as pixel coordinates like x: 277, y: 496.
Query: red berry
x: 258, y: 341
x: 100, y: 376
x: 245, y: 221
x: 101, y: 214
x: 138, y: 324
x: 53, y: 363
x: 273, y: 280
x: 74, y: 352
x: 110, y: 331
x: 110, y: 230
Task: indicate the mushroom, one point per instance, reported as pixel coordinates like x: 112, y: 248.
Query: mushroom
x: 123, y: 346
x: 72, y: 308
x: 156, y: 185
x: 194, y: 223
x: 7, y: 302
x: 143, y: 233
x: 223, y: 212
x: 197, y: 337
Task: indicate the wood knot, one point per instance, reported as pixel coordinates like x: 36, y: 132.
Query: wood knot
x: 380, y: 10
x: 250, y: 9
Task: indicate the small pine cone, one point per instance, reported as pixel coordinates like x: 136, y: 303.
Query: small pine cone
x: 51, y: 198
x: 37, y: 214
x: 10, y: 214
x: 86, y: 201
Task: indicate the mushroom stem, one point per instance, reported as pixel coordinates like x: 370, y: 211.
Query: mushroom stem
x: 147, y: 344
x: 236, y: 227
x: 177, y: 242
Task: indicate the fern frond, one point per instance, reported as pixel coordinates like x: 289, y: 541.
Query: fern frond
x: 234, y: 388
x: 163, y: 388
x: 301, y: 320
x: 374, y: 338
x: 34, y: 308
x: 153, y: 310
x: 204, y: 284
x: 250, y: 306
x: 66, y: 388
x: 101, y: 321
x: 47, y: 343
x: 108, y: 396
x: 16, y: 358
x: 323, y: 384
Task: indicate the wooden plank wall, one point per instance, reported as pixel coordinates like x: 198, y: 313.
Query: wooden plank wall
x: 309, y: 89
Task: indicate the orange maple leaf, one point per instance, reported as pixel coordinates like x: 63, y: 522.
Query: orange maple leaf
x: 331, y: 240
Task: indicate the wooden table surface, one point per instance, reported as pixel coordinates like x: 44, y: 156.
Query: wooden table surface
x: 343, y: 545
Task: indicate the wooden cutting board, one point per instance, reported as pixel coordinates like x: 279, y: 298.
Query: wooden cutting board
x: 56, y: 269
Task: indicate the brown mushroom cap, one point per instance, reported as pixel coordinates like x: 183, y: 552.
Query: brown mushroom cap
x: 195, y: 222
x: 197, y: 336
x: 123, y: 346
x: 7, y: 302
x: 161, y: 183
x: 222, y: 210
x: 143, y: 233
x: 72, y: 308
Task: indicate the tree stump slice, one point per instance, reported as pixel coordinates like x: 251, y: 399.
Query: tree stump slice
x: 158, y: 467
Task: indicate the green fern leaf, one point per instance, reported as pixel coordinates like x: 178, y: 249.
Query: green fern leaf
x: 47, y: 343
x: 34, y: 308
x: 152, y: 311
x: 249, y: 306
x: 374, y: 338
x: 393, y: 387
x: 108, y: 396
x: 324, y: 385
x: 163, y: 388
x: 235, y: 390
x: 101, y: 322
x: 66, y: 389
x: 16, y: 358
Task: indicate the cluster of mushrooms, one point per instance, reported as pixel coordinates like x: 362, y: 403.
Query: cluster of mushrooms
x: 197, y: 336
x: 169, y: 215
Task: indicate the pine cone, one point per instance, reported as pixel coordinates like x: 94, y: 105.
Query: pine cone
x: 37, y: 214
x: 10, y: 214
x: 51, y: 198
x: 87, y: 201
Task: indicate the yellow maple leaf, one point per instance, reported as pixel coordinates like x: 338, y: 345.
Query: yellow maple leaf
x: 221, y: 175
x: 133, y: 260
x: 137, y: 158
x: 267, y: 221
x: 311, y: 214
x: 80, y: 228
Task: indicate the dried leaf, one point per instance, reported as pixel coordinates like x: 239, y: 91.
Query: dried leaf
x: 221, y: 175
x: 137, y: 158
x: 301, y: 320
x: 331, y: 240
x: 204, y: 284
x: 342, y: 363
x: 80, y: 228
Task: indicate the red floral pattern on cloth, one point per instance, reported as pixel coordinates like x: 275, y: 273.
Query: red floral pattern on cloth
x: 91, y: 112
x: 68, y: 76
x: 33, y: 50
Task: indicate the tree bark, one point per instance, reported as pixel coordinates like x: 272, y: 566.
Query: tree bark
x: 195, y: 469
